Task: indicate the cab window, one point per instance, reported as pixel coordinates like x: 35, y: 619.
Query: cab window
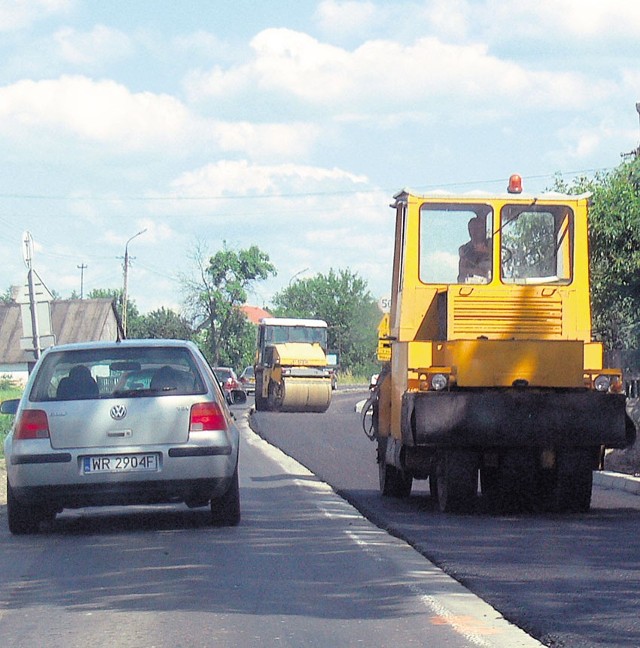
x: 536, y: 244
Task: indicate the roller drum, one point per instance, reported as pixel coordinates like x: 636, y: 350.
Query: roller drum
x: 304, y: 395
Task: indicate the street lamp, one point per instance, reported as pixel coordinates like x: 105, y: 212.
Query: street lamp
x: 126, y: 274
x: 297, y: 274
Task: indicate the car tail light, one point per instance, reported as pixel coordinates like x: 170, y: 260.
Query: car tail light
x: 32, y: 424
x: 206, y: 417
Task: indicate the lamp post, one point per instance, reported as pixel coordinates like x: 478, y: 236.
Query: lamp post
x: 126, y: 276
x: 297, y: 274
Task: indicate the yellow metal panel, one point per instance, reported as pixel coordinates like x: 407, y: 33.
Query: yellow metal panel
x: 593, y: 355
x: 420, y: 355
x: 300, y: 353
x: 498, y: 363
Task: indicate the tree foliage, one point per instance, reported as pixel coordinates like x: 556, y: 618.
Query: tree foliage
x: 614, y: 237
x: 214, y: 301
x: 161, y: 323
x: 117, y: 295
x: 343, y: 300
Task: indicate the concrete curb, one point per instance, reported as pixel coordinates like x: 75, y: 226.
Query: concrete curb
x: 617, y: 481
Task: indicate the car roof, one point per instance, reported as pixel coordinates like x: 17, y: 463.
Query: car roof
x: 101, y: 344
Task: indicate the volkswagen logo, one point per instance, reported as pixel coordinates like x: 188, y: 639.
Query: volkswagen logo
x: 118, y: 412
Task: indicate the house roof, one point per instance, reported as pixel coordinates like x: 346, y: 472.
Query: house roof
x: 254, y: 313
x: 73, y: 320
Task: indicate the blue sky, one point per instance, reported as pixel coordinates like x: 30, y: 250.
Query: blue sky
x: 288, y: 125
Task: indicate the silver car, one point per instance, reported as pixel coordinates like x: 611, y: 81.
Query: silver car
x: 113, y: 423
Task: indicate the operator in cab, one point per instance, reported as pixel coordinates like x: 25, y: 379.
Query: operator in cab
x: 475, y: 255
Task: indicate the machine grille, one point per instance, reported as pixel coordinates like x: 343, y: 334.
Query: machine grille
x: 538, y: 316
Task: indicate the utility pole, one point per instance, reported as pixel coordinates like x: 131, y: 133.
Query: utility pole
x: 27, y: 252
x: 126, y: 281
x: 82, y: 267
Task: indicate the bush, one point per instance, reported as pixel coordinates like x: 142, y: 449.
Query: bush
x: 8, y: 390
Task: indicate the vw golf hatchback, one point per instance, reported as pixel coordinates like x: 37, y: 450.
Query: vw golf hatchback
x: 131, y: 422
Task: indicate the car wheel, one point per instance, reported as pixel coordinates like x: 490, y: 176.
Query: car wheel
x: 22, y: 519
x: 225, y: 510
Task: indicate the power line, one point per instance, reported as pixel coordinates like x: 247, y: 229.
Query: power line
x: 303, y: 194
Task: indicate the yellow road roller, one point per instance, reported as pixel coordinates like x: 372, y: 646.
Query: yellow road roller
x: 291, y: 368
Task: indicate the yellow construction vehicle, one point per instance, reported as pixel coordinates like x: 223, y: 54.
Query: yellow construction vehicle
x: 291, y: 366
x: 492, y: 370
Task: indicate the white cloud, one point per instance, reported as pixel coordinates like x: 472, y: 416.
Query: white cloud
x: 582, y: 141
x: 18, y: 14
x: 240, y: 178
x: 383, y: 76
x: 217, y: 82
x: 99, y: 111
x: 578, y: 18
x: 99, y: 45
x: 108, y: 113
x: 264, y: 140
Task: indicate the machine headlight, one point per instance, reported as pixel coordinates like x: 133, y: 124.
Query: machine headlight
x: 439, y: 382
x: 602, y: 383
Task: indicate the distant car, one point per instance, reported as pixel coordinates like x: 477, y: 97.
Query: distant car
x: 133, y: 422
x: 248, y: 380
x: 227, y: 378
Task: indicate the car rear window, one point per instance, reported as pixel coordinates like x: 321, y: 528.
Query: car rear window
x: 223, y: 374
x: 121, y: 372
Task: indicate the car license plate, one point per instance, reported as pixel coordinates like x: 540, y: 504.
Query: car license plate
x: 147, y: 462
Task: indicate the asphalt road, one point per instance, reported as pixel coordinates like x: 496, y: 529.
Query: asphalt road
x: 303, y: 569
x: 569, y: 580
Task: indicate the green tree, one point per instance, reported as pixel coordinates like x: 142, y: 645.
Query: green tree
x: 7, y: 296
x: 117, y: 295
x: 162, y: 323
x: 343, y: 300
x: 614, y: 238
x: 215, y: 297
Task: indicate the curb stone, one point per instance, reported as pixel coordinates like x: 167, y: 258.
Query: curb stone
x: 617, y: 481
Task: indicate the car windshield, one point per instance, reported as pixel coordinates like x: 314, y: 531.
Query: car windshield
x: 116, y: 372
x: 281, y: 334
x: 223, y: 374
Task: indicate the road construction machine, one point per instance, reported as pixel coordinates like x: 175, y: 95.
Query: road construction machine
x: 291, y: 368
x: 492, y: 388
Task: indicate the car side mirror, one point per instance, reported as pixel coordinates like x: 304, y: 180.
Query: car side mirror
x: 9, y: 406
x: 238, y: 396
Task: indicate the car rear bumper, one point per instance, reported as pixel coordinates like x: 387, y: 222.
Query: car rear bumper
x: 121, y: 493
x: 57, y: 480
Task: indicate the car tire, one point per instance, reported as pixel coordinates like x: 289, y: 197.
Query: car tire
x: 22, y: 519
x: 225, y: 510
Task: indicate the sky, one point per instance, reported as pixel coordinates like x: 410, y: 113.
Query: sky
x: 288, y: 125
